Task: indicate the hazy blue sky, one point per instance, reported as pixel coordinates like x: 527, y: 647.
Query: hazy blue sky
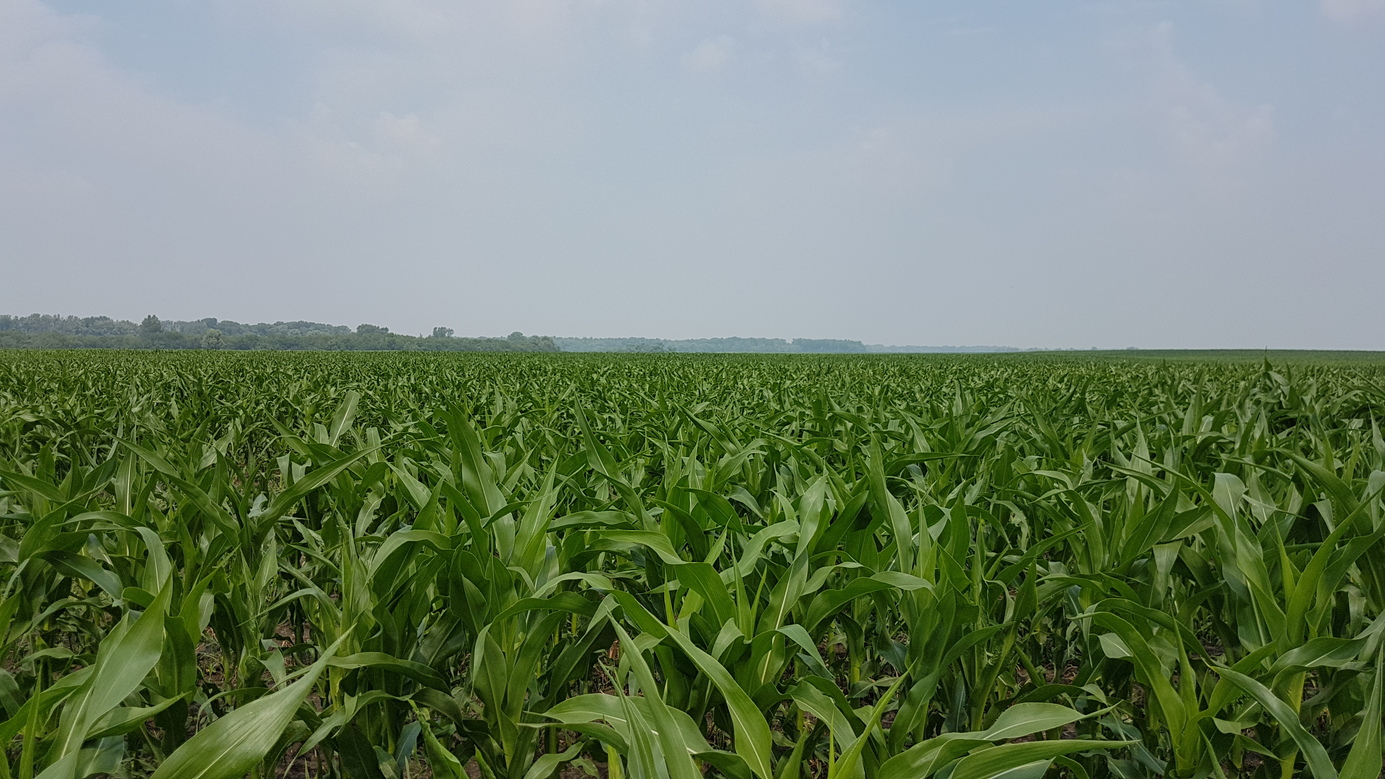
x: 1187, y: 174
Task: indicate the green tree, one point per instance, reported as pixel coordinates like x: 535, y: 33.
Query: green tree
x: 212, y: 339
x: 442, y: 332
x: 365, y: 329
x: 151, y: 326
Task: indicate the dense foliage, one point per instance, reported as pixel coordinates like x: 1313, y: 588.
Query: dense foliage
x: 736, y: 345
x: 106, y: 326
x: 732, y: 345
x: 379, y: 565
x: 46, y: 331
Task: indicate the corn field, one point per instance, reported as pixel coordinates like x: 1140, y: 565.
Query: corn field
x: 381, y: 566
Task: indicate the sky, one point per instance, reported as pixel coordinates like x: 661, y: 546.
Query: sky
x: 1197, y: 174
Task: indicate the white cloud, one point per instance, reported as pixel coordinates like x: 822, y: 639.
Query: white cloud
x: 802, y: 11
x: 400, y: 19
x: 1204, y: 129
x: 818, y: 60
x: 1211, y: 133
x: 335, y: 148
x: 76, y: 112
x: 25, y: 24
x: 969, y: 32
x: 710, y: 54
x: 406, y: 131
x: 445, y: 22
x: 381, y: 157
x: 1349, y: 10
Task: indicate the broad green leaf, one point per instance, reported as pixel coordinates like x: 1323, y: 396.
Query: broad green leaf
x: 231, y: 746
x: 1313, y: 753
x: 998, y: 760
x: 123, y: 662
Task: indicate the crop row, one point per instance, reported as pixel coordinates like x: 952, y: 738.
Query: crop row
x: 526, y: 566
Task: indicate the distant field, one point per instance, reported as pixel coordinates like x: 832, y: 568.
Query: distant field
x: 1277, y: 356
x: 1080, y: 564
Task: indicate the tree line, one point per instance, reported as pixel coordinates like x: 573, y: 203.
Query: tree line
x: 47, y: 331
x: 719, y: 345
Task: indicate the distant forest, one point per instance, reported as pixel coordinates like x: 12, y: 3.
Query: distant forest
x: 754, y: 345
x: 47, y: 331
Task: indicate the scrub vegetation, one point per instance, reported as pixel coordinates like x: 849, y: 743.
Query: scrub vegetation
x: 221, y: 564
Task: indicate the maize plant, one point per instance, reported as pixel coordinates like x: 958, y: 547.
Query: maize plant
x: 383, y: 566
